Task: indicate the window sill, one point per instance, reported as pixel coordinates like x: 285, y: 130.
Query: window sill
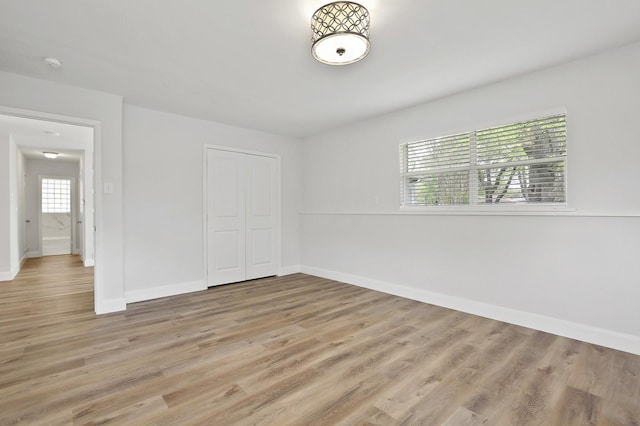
x: 489, y: 210
x: 421, y: 211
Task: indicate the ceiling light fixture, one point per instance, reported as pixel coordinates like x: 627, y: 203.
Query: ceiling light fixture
x: 51, y: 155
x: 340, y: 33
x: 53, y: 62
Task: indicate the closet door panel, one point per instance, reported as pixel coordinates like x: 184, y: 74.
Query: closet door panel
x: 261, y: 216
x: 226, y: 222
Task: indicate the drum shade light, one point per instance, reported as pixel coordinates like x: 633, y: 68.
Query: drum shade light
x: 340, y: 33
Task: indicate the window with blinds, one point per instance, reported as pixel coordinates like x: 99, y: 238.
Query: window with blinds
x: 518, y: 164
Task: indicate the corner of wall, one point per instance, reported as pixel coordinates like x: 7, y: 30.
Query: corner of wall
x: 111, y: 305
x: 164, y: 291
x: 289, y: 270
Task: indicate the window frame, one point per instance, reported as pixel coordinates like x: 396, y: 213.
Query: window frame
x: 473, y: 169
x: 51, y: 198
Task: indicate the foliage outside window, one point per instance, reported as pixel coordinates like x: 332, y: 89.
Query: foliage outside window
x: 518, y: 164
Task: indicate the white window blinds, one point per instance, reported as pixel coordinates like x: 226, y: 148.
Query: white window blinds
x: 520, y: 163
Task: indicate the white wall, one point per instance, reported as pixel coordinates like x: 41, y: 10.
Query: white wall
x: 5, y: 211
x: 163, y: 216
x: 11, y: 249
x: 14, y: 250
x: 21, y: 171
x: 575, y: 275
x: 80, y: 244
x: 34, y: 169
x: 105, y: 112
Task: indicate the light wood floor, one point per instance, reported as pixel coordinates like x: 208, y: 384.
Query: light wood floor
x: 292, y: 350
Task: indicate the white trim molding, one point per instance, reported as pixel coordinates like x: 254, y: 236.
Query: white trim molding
x: 164, y: 291
x: 111, y: 305
x: 475, y: 211
x: 620, y: 341
x: 288, y: 270
x: 8, y: 275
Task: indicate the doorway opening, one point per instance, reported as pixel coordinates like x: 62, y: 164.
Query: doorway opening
x: 52, y: 203
x: 56, y: 215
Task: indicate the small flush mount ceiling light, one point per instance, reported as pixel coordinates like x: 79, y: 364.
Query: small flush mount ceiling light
x: 340, y: 33
x: 51, y: 155
x: 53, y: 62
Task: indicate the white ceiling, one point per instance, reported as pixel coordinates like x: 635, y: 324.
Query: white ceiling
x: 33, y: 137
x: 248, y: 62
x: 63, y: 155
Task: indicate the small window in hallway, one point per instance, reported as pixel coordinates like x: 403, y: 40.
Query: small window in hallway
x: 56, y: 195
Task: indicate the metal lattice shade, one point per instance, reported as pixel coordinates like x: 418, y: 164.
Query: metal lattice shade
x: 340, y: 33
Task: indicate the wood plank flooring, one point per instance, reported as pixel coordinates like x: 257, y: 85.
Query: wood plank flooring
x: 296, y: 350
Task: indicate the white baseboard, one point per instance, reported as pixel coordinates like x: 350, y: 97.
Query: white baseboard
x: 87, y: 263
x: 7, y: 275
x: 10, y: 275
x: 585, y: 333
x: 111, y: 305
x: 164, y: 291
x: 288, y: 270
x: 31, y: 254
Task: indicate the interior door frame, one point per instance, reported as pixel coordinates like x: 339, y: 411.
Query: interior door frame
x: 205, y: 198
x: 92, y: 178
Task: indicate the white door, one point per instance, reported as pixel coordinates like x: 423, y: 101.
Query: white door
x: 261, y: 217
x: 242, y: 216
x: 226, y: 217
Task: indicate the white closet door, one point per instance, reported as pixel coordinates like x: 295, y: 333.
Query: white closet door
x: 242, y: 216
x: 261, y: 216
x: 226, y: 217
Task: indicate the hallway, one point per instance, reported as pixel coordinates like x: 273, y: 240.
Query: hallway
x: 45, y: 288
